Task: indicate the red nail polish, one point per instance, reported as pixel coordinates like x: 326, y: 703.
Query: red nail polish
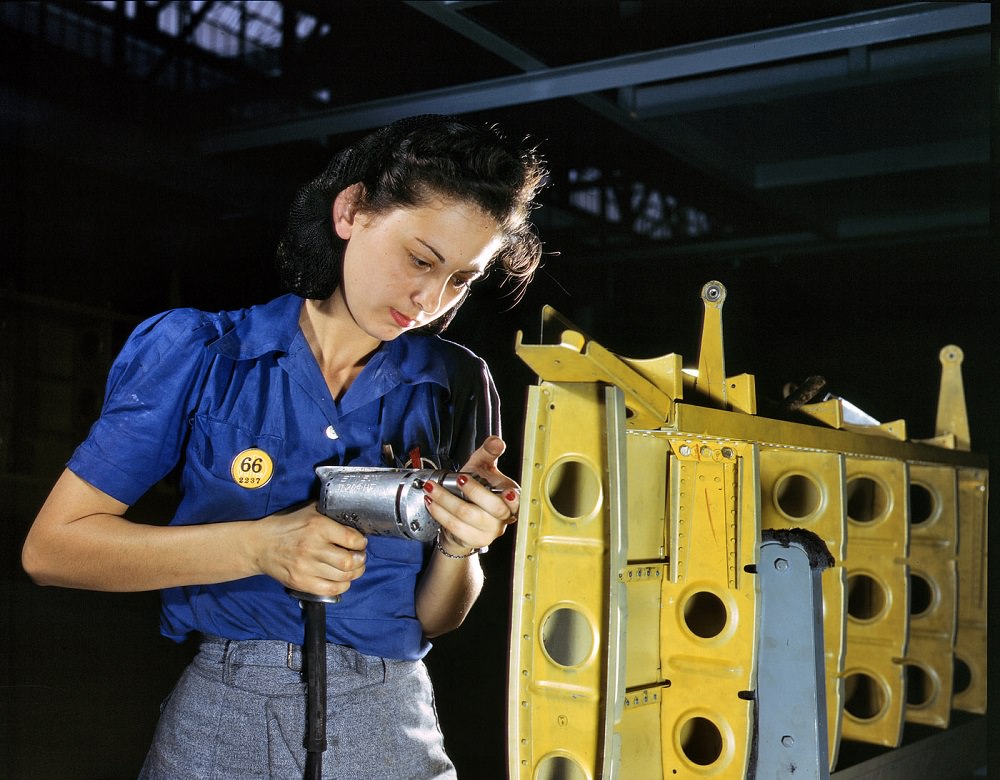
x: 510, y: 495
x: 462, y: 479
x: 428, y: 486
x: 427, y: 500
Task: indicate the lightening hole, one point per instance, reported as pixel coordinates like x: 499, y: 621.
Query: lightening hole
x: 701, y: 741
x: 559, y: 768
x: 567, y: 637
x: 923, y: 504
x: 962, y: 676
x: 705, y: 614
x: 864, y: 697
x: 867, y: 500
x: 921, y: 595
x: 866, y: 598
x: 574, y: 490
x: 798, y: 496
x: 921, y: 688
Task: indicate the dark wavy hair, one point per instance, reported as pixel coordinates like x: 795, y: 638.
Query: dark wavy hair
x: 407, y: 164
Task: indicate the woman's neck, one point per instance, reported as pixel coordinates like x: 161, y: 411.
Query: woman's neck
x: 341, y: 348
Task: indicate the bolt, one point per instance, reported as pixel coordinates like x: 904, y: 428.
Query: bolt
x: 780, y: 564
x: 788, y: 741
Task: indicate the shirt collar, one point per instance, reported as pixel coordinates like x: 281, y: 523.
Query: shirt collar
x: 259, y: 330
x: 410, y: 359
x: 273, y: 327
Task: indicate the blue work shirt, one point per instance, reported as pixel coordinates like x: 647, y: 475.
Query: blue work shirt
x: 237, y: 400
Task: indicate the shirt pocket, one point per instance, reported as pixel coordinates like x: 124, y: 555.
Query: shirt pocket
x: 233, y: 469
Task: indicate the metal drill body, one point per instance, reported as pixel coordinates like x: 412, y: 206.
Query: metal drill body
x: 383, y: 501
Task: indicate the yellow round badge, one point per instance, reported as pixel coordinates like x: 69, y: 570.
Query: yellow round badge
x: 252, y: 469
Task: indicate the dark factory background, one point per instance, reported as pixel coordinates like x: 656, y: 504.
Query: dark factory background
x: 829, y: 162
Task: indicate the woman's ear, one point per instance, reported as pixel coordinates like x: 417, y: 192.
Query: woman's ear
x: 345, y: 209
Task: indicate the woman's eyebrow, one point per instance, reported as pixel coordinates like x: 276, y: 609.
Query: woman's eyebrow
x: 476, y: 270
x: 441, y: 258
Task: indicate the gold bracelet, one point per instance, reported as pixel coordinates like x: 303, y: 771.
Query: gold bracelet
x: 446, y: 554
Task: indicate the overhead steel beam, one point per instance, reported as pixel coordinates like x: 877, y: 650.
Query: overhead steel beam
x: 801, y: 40
x: 448, y: 15
x: 875, y: 162
x: 913, y: 222
x: 842, y: 69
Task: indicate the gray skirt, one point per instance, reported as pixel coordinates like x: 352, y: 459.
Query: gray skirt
x: 239, y: 711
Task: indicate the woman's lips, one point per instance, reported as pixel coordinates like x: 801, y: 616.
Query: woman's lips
x: 401, y: 319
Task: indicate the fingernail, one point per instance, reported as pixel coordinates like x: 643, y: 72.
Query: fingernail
x: 427, y: 500
x: 462, y: 479
x: 510, y: 495
x: 428, y: 486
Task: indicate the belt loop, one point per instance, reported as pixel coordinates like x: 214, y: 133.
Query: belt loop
x: 226, y: 662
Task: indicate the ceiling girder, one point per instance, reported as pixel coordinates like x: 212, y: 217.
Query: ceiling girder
x: 841, y: 69
x: 876, y: 162
x: 449, y: 15
x: 700, y: 59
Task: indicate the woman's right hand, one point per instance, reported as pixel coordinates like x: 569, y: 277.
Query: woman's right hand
x: 81, y: 539
x: 308, y: 552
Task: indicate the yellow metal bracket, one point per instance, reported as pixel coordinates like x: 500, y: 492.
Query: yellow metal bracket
x: 737, y: 393
x: 952, y: 420
x: 650, y: 387
x: 831, y: 413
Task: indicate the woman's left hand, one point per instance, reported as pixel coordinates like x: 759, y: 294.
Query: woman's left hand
x: 484, y: 514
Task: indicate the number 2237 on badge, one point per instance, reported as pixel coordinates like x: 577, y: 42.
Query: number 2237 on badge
x: 252, y: 469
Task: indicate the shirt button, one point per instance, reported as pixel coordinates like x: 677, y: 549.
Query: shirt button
x: 331, y: 433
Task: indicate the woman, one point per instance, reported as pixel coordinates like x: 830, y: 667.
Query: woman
x: 380, y: 251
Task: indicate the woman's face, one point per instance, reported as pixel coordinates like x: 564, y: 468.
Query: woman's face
x: 407, y: 267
